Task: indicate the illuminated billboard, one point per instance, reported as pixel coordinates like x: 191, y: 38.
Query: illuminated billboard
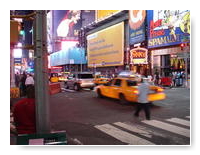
x: 138, y: 56
x: 104, y: 13
x: 137, y: 26
x: 66, y: 23
x: 168, y: 27
x: 106, y: 47
x: 68, y: 56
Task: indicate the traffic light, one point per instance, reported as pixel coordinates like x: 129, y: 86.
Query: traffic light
x: 22, y: 32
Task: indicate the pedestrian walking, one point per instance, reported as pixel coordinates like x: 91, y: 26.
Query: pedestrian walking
x: 24, y: 113
x: 174, y: 79
x: 156, y: 78
x: 22, y: 84
x: 17, y: 79
x: 143, y: 102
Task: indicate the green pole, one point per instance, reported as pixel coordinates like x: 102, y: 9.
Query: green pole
x: 41, y: 73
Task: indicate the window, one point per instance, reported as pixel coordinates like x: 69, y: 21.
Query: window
x: 117, y: 82
x: 131, y: 83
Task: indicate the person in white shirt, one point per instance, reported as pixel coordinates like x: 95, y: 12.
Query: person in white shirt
x: 29, y: 80
x: 143, y: 102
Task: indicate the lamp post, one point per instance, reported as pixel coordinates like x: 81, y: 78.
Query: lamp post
x: 81, y: 58
x: 127, y: 58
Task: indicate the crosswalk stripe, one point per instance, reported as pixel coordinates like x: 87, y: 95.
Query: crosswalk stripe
x: 168, y: 127
x: 133, y: 129
x: 179, y: 121
x: 122, y: 135
x: 68, y: 90
x: 187, y: 117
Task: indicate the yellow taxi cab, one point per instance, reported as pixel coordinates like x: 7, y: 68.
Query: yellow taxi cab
x: 63, y: 77
x: 54, y: 77
x: 101, y: 79
x: 126, y: 90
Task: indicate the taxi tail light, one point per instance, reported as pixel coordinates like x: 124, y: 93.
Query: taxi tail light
x: 135, y: 92
x: 160, y: 90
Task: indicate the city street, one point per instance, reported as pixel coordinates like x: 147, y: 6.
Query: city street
x: 121, y: 50
x: 89, y: 120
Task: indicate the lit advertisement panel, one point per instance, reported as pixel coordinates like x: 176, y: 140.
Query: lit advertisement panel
x: 68, y: 56
x: 137, y: 26
x: 168, y: 27
x: 138, y: 56
x: 104, y: 13
x: 49, y: 32
x: 66, y: 23
x: 106, y: 47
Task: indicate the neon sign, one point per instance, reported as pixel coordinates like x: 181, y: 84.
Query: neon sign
x: 138, y: 56
x: 168, y: 27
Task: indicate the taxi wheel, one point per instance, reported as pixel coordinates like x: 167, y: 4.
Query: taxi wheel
x: 99, y: 94
x: 122, y: 99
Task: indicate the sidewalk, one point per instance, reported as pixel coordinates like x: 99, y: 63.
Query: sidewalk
x: 13, y: 137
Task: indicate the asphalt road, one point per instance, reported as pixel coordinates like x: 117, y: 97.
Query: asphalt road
x: 89, y: 120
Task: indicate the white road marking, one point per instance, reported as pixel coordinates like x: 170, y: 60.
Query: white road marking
x: 134, y: 129
x: 187, y: 117
x: 68, y: 90
x: 168, y: 127
x: 179, y: 121
x: 122, y: 135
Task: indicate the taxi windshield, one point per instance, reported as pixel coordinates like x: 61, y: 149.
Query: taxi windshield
x: 85, y: 76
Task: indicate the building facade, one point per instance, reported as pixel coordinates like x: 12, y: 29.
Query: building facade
x: 109, y: 41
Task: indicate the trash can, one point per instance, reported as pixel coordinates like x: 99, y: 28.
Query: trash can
x: 54, y: 138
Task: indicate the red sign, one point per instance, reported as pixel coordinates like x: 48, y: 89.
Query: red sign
x: 153, y: 25
x: 138, y: 56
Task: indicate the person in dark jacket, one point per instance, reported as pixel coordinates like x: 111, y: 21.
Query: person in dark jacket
x: 22, y: 84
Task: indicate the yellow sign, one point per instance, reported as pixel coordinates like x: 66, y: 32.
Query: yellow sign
x: 138, y: 56
x: 104, y: 13
x: 14, y: 92
x: 106, y: 47
x: 14, y: 32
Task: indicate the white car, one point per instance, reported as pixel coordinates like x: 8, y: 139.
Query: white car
x: 80, y: 80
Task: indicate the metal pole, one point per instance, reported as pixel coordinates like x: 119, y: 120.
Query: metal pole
x: 12, y: 68
x: 186, y: 71
x: 81, y: 59
x: 41, y: 74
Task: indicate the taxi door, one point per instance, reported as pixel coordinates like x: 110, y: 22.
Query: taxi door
x: 116, y: 88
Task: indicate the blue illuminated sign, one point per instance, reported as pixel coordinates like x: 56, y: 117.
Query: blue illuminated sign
x: 168, y: 27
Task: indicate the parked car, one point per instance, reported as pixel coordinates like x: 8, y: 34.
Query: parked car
x: 80, y: 80
x: 126, y: 89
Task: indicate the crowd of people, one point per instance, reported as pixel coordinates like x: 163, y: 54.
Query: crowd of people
x: 175, y: 79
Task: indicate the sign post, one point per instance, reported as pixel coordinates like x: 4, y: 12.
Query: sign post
x: 41, y: 73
